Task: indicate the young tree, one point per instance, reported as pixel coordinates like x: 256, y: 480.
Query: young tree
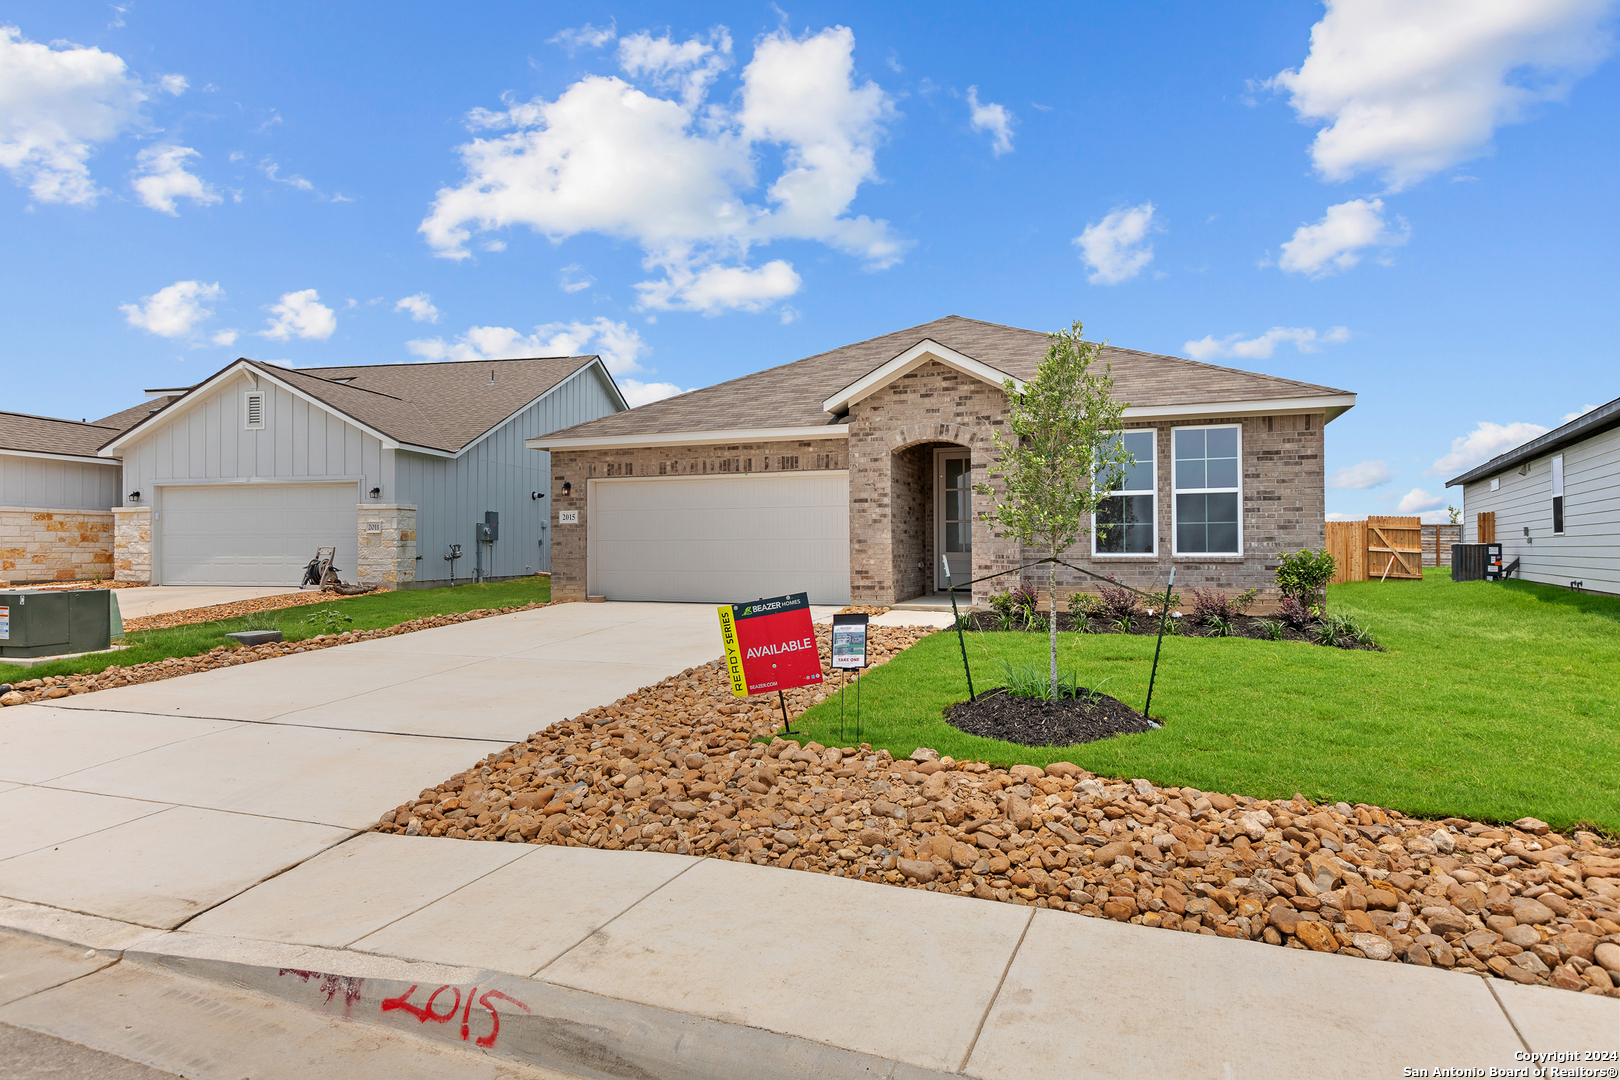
x: 1063, y: 457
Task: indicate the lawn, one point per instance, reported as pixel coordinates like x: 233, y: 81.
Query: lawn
x: 1492, y: 701
x: 368, y: 612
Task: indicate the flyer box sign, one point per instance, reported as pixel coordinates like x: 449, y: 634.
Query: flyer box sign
x: 849, y: 641
x: 770, y: 645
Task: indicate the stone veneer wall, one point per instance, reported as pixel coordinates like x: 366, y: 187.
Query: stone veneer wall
x: 575, y: 467
x: 132, y: 544
x: 387, y: 545
x: 54, y: 545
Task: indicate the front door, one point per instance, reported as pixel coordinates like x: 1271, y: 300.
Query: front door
x: 953, y: 515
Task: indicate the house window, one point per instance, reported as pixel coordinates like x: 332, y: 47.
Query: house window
x: 253, y: 410
x: 1558, y: 493
x: 1125, y: 523
x: 1208, y: 493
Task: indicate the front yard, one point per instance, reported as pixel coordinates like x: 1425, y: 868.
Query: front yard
x: 369, y: 612
x: 1491, y: 702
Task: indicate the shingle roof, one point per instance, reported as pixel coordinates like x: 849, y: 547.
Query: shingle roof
x: 1595, y: 422
x: 48, y: 435
x: 128, y: 418
x: 442, y: 406
x: 791, y: 395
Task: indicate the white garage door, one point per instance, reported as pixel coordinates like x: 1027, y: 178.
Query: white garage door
x: 720, y: 539
x: 254, y: 534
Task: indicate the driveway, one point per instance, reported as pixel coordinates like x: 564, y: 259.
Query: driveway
x: 153, y: 803
x: 161, y: 599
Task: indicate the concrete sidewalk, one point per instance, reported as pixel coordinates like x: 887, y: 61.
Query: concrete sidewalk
x: 208, y: 827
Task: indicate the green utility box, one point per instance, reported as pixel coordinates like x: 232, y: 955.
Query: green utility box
x: 51, y: 623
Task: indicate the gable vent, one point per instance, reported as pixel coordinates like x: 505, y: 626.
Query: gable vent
x: 253, y: 411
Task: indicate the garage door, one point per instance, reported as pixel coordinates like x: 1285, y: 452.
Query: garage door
x: 254, y: 534
x: 719, y: 539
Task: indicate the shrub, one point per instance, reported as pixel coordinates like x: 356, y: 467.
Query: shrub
x: 1118, y: 602
x: 1083, y: 606
x: 1212, y: 607
x: 1305, y: 574
x: 1272, y: 628
x: 1294, y: 612
x: 1032, y: 681
x: 1001, y: 606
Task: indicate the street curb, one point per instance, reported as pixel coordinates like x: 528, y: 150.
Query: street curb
x: 526, y: 1019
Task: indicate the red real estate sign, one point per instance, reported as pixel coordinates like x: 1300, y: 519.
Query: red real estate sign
x: 770, y: 645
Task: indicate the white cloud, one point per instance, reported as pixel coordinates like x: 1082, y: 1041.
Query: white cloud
x: 56, y: 105
x: 1417, y: 500
x: 1409, y: 89
x: 271, y: 169
x: 174, y: 84
x: 639, y: 393
x: 715, y: 289
x: 420, y: 305
x: 585, y: 37
x: 619, y: 346
x: 1116, y: 247
x: 573, y: 279
x: 1335, y: 516
x: 164, y: 179
x: 225, y: 338
x: 1335, y: 242
x: 687, y: 67
x: 300, y: 314
x: 1483, y: 443
x: 1361, y: 476
x: 673, y: 175
x: 174, y: 310
x: 1303, y: 338
x: 1577, y: 414
x: 992, y: 118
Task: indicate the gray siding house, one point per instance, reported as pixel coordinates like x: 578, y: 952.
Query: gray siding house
x: 239, y: 479
x: 56, y: 499
x: 1556, y: 503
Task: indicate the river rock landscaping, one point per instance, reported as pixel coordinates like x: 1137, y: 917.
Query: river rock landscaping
x: 679, y: 767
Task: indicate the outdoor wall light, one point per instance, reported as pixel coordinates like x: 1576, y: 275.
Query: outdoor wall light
x: 134, y: 496
x: 568, y: 488
x: 534, y: 495
x: 376, y: 493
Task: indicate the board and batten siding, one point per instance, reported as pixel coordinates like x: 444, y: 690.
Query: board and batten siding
x: 496, y: 473
x: 1589, y: 549
x: 31, y: 483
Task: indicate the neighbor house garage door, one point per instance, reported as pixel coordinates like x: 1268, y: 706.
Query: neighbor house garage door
x: 254, y: 534
x: 719, y: 539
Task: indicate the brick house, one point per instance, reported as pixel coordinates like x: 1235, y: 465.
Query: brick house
x: 850, y: 475
x: 56, y: 499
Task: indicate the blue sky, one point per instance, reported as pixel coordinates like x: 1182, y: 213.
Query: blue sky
x: 1415, y: 203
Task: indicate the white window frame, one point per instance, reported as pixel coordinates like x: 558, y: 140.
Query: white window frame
x: 1154, y: 554
x: 1175, y: 524
x: 247, y: 409
x: 1559, y: 506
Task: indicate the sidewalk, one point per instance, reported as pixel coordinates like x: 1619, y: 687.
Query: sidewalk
x: 205, y: 828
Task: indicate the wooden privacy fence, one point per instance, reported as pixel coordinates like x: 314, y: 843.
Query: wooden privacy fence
x: 1377, y: 549
x: 1437, y: 541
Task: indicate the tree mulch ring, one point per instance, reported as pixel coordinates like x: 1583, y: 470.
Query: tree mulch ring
x: 999, y: 714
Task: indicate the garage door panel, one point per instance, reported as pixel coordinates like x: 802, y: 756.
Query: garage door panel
x: 720, y: 538
x: 254, y: 534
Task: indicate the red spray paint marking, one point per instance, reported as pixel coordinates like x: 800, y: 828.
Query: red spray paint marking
x: 424, y: 1013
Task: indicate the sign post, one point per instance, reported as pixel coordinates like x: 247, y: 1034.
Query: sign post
x: 849, y: 654
x: 770, y: 645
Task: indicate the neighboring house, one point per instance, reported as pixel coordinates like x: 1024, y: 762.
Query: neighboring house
x: 1555, y: 502
x: 237, y: 480
x: 56, y: 498
x: 849, y: 474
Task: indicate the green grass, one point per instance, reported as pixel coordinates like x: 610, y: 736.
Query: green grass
x: 367, y: 612
x: 1493, y: 701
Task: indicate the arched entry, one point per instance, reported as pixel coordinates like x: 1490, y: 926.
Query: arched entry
x: 931, y: 511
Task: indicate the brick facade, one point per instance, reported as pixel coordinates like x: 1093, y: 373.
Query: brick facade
x: 576, y: 467
x: 54, y: 545
x: 132, y: 544
x: 387, y: 545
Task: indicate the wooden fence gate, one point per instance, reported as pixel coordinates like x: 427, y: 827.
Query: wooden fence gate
x: 1377, y: 549
x: 1437, y: 541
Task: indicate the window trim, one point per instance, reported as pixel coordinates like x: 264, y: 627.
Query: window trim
x: 247, y: 409
x: 1558, y: 494
x: 1175, y: 524
x: 1154, y: 493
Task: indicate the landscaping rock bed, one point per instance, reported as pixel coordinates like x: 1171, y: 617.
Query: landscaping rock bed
x: 229, y: 611
x: 61, y: 686
x: 996, y: 714
x: 673, y: 768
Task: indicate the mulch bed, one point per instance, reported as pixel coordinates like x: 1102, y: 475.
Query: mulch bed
x: 999, y: 714
x: 1244, y: 626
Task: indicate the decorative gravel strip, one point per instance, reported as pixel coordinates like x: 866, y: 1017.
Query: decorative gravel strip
x: 231, y: 611
x: 60, y: 686
x: 672, y: 768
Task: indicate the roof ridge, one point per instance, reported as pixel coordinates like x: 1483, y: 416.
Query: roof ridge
x: 57, y: 419
x: 329, y: 382
x: 444, y: 363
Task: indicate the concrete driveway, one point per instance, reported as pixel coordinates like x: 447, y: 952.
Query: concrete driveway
x: 161, y: 599
x: 152, y: 803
